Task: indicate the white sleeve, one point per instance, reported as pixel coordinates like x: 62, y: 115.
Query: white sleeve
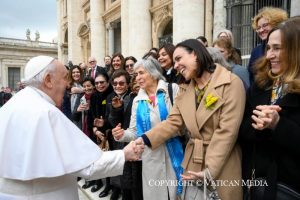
x: 110, y: 163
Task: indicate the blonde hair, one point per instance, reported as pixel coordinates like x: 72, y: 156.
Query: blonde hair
x: 273, y: 15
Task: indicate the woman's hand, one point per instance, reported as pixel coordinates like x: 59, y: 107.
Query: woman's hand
x: 117, y: 132
x: 266, y: 116
x: 99, y: 122
x: 193, y: 176
x: 76, y: 90
x: 116, y: 102
x: 100, y: 135
x: 82, y: 107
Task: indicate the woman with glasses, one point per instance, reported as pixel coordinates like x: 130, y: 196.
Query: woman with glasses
x: 266, y: 19
x: 129, y: 63
x: 120, y: 81
x: 149, y: 107
x: 97, y: 121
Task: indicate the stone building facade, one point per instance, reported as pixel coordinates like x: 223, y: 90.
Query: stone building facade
x: 132, y: 27
x: 15, y: 53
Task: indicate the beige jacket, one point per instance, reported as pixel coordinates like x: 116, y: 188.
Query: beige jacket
x: 213, y: 131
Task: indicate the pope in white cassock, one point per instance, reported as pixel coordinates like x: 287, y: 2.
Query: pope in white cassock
x: 41, y: 151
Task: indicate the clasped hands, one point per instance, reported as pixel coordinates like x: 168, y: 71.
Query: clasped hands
x: 133, y: 151
x: 266, y: 116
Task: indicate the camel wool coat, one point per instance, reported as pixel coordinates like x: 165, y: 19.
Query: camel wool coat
x: 213, y: 130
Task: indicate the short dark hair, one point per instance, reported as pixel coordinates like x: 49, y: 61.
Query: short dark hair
x: 204, y: 60
x: 119, y: 73
x: 202, y: 38
x: 103, y: 74
x: 129, y: 58
x: 88, y: 78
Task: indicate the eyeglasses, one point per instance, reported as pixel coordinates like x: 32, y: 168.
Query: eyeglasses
x: 129, y: 65
x: 121, y: 83
x: 99, y: 82
x: 92, y: 61
x: 263, y: 26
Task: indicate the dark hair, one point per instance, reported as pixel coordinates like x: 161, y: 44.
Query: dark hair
x: 204, y: 60
x: 150, y: 54
x: 202, y: 38
x: 169, y: 48
x: 121, y: 73
x: 70, y: 78
x: 88, y: 78
x: 129, y: 58
x: 103, y: 74
x: 120, y: 56
x: 154, y: 49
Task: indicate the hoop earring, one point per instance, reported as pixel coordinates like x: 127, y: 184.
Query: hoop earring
x: 273, y: 76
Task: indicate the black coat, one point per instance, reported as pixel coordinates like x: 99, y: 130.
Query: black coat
x: 278, y: 148
x: 132, y: 173
x: 97, y: 109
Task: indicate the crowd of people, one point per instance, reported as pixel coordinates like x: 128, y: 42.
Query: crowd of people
x: 189, y: 108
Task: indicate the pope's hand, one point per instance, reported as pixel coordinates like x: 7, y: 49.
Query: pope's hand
x: 133, y: 151
x: 117, y: 132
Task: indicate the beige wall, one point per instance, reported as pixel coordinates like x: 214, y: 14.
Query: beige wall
x: 16, y: 53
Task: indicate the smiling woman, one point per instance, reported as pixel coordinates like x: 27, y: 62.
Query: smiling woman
x: 209, y: 108
x: 266, y: 19
x: 269, y: 150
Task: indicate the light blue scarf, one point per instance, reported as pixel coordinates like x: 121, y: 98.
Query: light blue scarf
x: 143, y: 124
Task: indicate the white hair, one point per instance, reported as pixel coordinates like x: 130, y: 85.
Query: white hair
x: 152, y: 66
x: 38, y: 79
x: 218, y: 57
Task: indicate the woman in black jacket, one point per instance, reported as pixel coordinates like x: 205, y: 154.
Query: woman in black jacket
x: 270, y: 131
x: 96, y: 119
x: 120, y: 112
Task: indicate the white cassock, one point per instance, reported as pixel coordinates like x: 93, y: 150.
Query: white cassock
x: 42, y: 152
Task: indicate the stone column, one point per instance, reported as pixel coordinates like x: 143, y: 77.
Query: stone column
x: 295, y: 8
x: 125, y: 27
x: 59, y: 30
x: 97, y: 29
x: 139, y: 23
x: 188, y: 19
x: 74, y: 44
x: 208, y: 21
x: 219, y: 17
x: 111, y: 40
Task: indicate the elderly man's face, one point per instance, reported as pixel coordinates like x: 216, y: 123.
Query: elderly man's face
x: 92, y: 62
x: 60, y: 83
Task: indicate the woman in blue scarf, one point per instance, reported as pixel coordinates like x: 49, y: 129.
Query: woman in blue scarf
x: 161, y: 167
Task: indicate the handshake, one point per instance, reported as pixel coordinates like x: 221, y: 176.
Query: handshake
x: 133, y: 151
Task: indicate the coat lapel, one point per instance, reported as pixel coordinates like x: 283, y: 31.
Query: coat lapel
x: 220, y: 77
x: 187, y: 106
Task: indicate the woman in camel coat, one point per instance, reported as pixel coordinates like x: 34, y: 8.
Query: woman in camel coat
x: 211, y: 107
